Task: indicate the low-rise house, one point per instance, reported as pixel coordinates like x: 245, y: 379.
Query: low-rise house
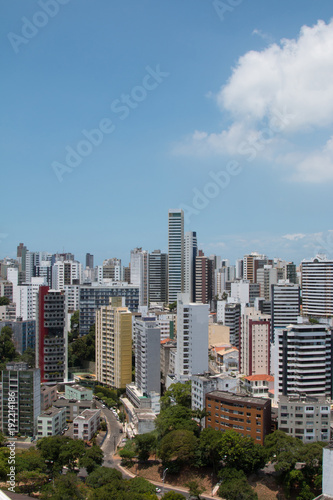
x: 51, y: 423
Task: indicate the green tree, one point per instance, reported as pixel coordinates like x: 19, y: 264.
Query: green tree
x: 30, y: 460
x: 7, y: 348
x: 4, y: 301
x: 103, y: 426
x: 179, y: 445
x: 2, y: 439
x: 305, y: 493
x: 102, y: 476
x: 92, y: 459
x: 127, y: 455
x: 173, y: 495
x: 209, y: 448
x: 235, y: 486
x: 28, y: 356
x: 177, y: 393
x: 241, y: 452
x: 30, y: 481
x: 173, y: 418
x: 65, y: 487
x: 71, y: 452
x: 145, y: 444
x: 75, y: 326
x: 195, y: 489
x: 139, y: 485
x: 173, y: 306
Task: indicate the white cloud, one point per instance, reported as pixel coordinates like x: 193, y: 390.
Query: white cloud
x: 262, y: 35
x: 272, y: 95
x: 296, y: 76
x: 294, y: 237
x: 317, y: 166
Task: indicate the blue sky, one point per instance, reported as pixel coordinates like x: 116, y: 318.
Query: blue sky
x: 235, y: 89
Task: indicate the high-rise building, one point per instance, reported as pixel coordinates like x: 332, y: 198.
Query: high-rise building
x: 245, y: 292
x: 191, y: 250
x: 175, y: 254
x: 51, y: 341
x: 254, y: 346
x: 24, y: 383
x: 229, y: 314
x: 317, y: 287
x: 114, y: 344
x: 147, y: 355
x: 203, y: 279
x: 266, y: 277
x: 239, y: 269
x: 250, y: 265
x: 94, y: 296
x: 111, y: 270
x: 89, y: 260
x: 66, y: 272
x: 304, y: 358
x: 139, y: 273
x: 192, y: 338
x: 157, y: 277
x: 285, y: 305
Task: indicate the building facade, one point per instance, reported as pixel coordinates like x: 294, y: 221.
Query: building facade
x: 192, y: 338
x: 86, y: 424
x: 114, y: 344
x: 304, y: 360
x: 304, y: 417
x: 95, y: 296
x: 24, y: 383
x: 249, y: 417
x: 317, y: 287
x: 51, y: 341
x: 255, y: 343
x: 51, y: 422
x: 157, y: 277
x: 175, y: 254
x: 147, y: 356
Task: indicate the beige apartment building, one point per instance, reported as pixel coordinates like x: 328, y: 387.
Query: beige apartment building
x: 114, y: 344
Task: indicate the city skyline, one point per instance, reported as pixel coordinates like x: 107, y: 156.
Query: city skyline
x: 142, y: 107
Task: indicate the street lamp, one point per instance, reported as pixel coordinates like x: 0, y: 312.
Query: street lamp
x: 163, y: 478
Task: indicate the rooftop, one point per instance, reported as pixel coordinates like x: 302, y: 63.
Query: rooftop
x: 51, y: 412
x: 87, y: 415
x: 268, y: 378
x: 230, y: 396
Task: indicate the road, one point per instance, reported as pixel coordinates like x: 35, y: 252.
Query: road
x: 113, y: 438
x: 109, y: 447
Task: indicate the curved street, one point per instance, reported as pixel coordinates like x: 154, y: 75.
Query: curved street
x: 109, y: 446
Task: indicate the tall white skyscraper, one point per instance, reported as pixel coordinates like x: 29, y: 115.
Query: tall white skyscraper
x: 147, y: 355
x: 192, y: 338
x: 303, y: 360
x: 175, y: 254
x: 191, y: 249
x: 139, y: 273
x: 66, y: 272
x: 285, y: 305
x: 317, y: 287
